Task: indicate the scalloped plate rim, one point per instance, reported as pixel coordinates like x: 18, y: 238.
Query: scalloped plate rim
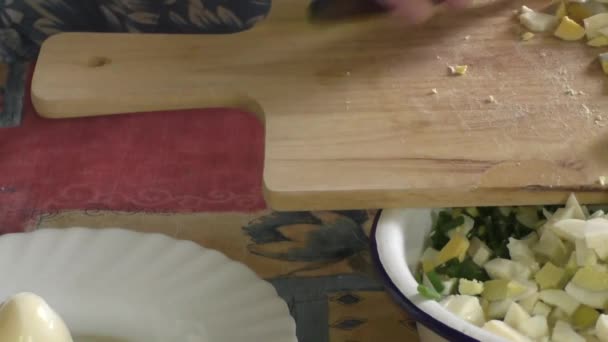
x: 280, y: 324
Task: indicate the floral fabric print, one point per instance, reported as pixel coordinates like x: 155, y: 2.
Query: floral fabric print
x: 25, y: 24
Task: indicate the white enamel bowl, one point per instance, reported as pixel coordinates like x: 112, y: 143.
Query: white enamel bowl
x: 398, y: 240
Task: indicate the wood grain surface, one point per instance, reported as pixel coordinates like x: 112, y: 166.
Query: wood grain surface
x: 350, y: 118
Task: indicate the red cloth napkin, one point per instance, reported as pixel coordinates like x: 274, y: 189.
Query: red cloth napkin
x: 184, y: 161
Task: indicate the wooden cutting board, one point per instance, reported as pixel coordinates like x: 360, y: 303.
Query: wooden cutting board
x: 350, y: 118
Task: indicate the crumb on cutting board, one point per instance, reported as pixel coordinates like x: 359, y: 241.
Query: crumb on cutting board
x: 458, y: 70
x: 527, y: 36
x: 586, y: 109
x: 571, y: 92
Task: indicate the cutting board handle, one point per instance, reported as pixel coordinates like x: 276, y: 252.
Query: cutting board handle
x: 98, y: 74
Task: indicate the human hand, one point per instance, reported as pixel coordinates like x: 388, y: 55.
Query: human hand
x: 416, y: 11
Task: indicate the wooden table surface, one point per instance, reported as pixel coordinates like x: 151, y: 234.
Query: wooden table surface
x: 331, y: 300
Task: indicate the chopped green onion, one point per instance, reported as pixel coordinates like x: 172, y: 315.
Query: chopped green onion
x: 445, y: 223
x: 472, y: 211
x: 428, y: 292
x: 435, y: 281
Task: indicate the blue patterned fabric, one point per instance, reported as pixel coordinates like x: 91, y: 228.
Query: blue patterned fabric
x: 25, y: 24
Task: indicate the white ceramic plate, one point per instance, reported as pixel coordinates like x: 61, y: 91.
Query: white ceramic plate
x: 114, y: 285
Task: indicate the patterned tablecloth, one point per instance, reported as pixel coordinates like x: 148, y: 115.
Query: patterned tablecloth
x: 194, y: 175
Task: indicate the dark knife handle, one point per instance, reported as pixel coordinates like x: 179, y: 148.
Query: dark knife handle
x: 347, y: 9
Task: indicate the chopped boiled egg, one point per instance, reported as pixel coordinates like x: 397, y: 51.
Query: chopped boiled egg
x: 601, y: 328
x: 585, y: 256
x: 458, y: 70
x: 584, y: 317
x: 527, y: 36
x: 428, y: 259
x: 595, y: 299
x: 600, y: 267
x: 538, y: 22
x: 598, y: 41
x: 557, y: 314
x: 506, y: 211
x: 569, y: 229
x: 516, y: 315
x: 449, y: 285
x: 500, y: 289
x: 568, y: 29
x: 560, y: 10
x: 520, y: 251
x: 524, y: 9
x: 560, y: 299
x: 603, y: 57
x: 498, y: 309
x: 530, y: 239
x: 579, y: 10
x: 565, y: 213
x: 502, y: 329
x: 599, y: 213
x: 551, y: 247
x: 528, y: 302
x: 535, y: 327
x: 470, y: 287
x: 464, y: 228
x: 455, y: 248
x: 591, y: 278
x: 596, y: 236
x: 500, y: 268
x: 466, y: 307
x: 541, y: 308
x: 563, y: 332
x: 473, y: 211
x: 594, y: 23
x: 527, y: 216
x: 589, y: 336
x: 550, y: 277
x: 571, y: 266
x: 479, y: 251
x: 577, y: 211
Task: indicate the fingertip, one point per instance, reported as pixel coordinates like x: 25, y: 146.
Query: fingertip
x: 414, y: 12
x: 459, y: 3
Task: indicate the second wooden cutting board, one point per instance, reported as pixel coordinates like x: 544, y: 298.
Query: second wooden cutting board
x: 351, y: 118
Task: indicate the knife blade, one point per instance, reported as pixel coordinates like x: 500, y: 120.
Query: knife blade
x: 339, y: 10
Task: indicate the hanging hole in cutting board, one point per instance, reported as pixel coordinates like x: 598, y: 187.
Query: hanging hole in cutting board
x: 96, y: 62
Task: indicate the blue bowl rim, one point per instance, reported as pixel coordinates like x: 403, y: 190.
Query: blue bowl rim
x: 420, y: 316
